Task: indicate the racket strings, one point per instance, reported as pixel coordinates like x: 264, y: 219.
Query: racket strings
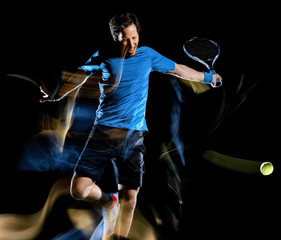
x: 203, y: 49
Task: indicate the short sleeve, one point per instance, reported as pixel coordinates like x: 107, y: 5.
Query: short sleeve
x: 160, y: 63
x: 92, y: 65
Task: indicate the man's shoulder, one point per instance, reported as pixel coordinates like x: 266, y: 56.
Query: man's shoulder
x: 145, y: 49
x: 148, y: 51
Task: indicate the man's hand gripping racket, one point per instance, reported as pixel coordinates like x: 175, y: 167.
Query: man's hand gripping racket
x: 206, y: 52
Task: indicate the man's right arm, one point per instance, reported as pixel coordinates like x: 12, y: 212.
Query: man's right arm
x: 187, y: 73
x: 73, y: 83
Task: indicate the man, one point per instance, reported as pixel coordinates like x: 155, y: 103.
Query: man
x: 119, y: 128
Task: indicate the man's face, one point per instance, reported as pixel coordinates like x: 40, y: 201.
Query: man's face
x: 129, y: 39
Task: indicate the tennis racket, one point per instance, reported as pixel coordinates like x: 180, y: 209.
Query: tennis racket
x: 204, y: 51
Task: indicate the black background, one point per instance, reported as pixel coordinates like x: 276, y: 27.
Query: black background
x: 43, y: 40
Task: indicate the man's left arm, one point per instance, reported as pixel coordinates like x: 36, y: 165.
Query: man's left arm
x: 187, y: 73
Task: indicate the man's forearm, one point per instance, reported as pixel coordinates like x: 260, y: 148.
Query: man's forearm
x: 187, y: 73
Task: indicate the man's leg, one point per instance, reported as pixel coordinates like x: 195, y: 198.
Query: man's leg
x: 84, y: 188
x: 125, y: 218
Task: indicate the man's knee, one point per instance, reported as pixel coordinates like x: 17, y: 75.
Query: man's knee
x: 80, y: 187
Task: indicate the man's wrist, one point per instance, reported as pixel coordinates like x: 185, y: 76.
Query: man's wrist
x: 208, y: 78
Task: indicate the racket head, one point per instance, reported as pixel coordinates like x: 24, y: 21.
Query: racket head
x: 202, y: 50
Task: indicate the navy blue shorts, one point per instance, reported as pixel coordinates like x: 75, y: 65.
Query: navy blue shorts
x: 121, y: 149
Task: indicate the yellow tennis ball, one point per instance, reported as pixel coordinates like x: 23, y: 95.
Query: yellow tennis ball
x: 266, y: 168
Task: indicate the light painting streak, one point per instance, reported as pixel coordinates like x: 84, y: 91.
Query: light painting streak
x: 233, y: 163
x: 28, y: 227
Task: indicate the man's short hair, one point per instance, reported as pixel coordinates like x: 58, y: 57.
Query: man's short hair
x: 121, y: 21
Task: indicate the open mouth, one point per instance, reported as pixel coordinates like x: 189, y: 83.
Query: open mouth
x: 132, y: 50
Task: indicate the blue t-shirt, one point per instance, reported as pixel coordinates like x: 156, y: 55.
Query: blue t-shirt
x: 124, y: 86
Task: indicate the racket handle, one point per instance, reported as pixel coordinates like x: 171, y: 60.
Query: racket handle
x: 218, y: 83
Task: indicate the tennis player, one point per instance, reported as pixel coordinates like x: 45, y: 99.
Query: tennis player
x: 119, y: 128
